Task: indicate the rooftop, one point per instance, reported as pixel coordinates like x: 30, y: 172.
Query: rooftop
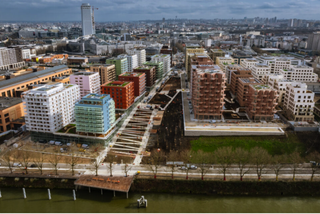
x: 31, y: 76
x: 117, y: 83
x: 6, y: 102
x: 84, y: 73
x: 130, y: 74
x: 260, y: 87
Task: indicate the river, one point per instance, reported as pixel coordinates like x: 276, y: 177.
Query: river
x: 62, y: 201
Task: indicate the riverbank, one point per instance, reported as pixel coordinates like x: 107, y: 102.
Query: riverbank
x: 235, y: 188
x: 207, y: 187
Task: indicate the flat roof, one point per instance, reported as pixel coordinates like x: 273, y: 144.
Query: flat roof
x: 35, y: 75
x: 6, y: 102
x: 116, y: 183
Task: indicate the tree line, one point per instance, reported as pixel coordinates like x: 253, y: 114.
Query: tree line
x: 240, y: 160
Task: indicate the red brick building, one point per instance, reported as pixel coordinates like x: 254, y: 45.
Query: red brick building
x: 150, y: 72
x: 208, y: 93
x: 243, y: 89
x: 139, y: 80
x: 235, y: 75
x: 262, y: 101
x: 121, y: 92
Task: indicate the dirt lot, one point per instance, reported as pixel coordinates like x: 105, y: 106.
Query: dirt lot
x: 160, y: 99
x: 16, y: 155
x: 172, y: 84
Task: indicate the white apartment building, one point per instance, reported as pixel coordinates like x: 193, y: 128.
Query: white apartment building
x: 299, y: 102
x: 141, y: 53
x: 299, y: 73
x: 249, y: 63
x: 88, y: 27
x: 50, y: 107
x: 25, y: 53
x: 165, y: 58
x: 223, y: 62
x: 279, y: 83
x: 7, y: 56
x: 278, y: 63
x: 132, y: 62
x: 259, y: 71
x: 88, y: 82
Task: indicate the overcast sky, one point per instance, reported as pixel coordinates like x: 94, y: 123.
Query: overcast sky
x: 125, y: 10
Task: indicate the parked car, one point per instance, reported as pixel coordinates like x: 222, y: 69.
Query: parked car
x: 16, y: 164
x: 33, y: 165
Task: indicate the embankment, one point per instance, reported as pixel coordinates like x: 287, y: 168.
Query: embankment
x: 267, y: 188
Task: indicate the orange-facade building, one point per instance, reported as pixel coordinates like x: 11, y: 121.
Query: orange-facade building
x: 208, y: 88
x: 121, y: 92
x: 243, y: 89
x: 9, y: 88
x: 139, y: 80
x: 10, y: 109
x: 235, y: 75
x: 262, y: 102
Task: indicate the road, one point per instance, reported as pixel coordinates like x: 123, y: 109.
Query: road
x: 213, y: 171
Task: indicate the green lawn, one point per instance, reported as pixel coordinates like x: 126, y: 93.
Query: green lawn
x: 275, y: 145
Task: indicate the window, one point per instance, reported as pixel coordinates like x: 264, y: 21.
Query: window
x: 6, y: 115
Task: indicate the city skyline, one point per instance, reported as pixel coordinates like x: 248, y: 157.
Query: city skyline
x: 126, y: 10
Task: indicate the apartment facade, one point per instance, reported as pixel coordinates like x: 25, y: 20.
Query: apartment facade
x: 259, y: 71
x: 132, y: 62
x: 299, y: 102
x: 208, y: 88
x: 150, y: 74
x: 278, y: 63
x: 138, y: 79
x: 107, y: 72
x: 88, y: 82
x: 9, y: 88
x: 121, y: 65
x: 235, y: 75
x: 78, y: 61
x: 158, y: 66
x: 190, y: 51
x: 262, y: 101
x: 10, y: 109
x: 299, y: 73
x: 243, y: 89
x: 95, y: 113
x: 279, y: 83
x: 229, y: 69
x: 8, y: 59
x: 214, y: 53
x: 49, y: 108
x: 141, y: 54
x: 249, y: 63
x: 165, y: 59
x: 121, y: 92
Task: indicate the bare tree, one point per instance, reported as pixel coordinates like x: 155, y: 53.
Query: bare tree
x: 314, y: 158
x: 110, y: 159
x: 38, y: 160
x: 8, y: 161
x: 260, y: 158
x: 55, y: 161
x: 74, y: 160
x: 126, y: 169
x: 224, y: 157
x: 202, y: 159
x: 24, y: 160
x: 277, y: 164
x: 173, y: 156
x: 96, y: 165
x: 295, y: 159
x: 185, y: 156
x: 242, y: 159
x: 156, y: 159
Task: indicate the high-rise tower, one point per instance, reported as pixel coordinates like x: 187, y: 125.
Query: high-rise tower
x: 88, y: 27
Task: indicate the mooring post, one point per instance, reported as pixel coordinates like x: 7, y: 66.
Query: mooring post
x: 89, y: 189
x: 49, y: 194
x: 24, y: 193
x: 114, y: 193
x: 74, y: 195
x: 101, y: 192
